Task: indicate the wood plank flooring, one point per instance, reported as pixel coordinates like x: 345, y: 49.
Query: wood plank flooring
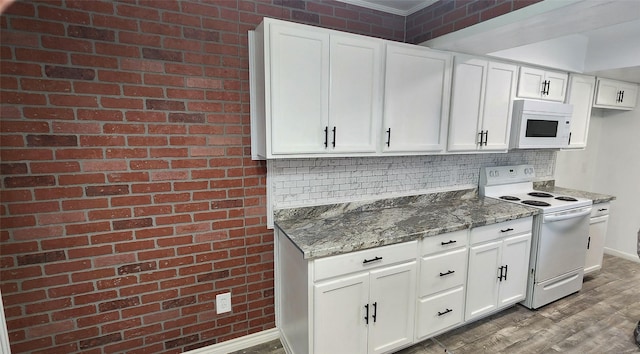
x: 599, y: 319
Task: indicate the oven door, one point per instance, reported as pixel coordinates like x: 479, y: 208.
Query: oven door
x: 562, y: 243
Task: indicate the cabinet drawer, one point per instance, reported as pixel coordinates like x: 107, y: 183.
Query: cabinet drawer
x: 443, y: 271
x: 364, y: 260
x: 499, y: 230
x: 444, y: 242
x: 600, y: 209
x: 439, y: 312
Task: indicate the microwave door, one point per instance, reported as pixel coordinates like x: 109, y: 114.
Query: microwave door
x: 541, y: 128
x: 543, y: 131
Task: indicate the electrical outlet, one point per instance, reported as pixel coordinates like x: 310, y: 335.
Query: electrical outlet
x: 223, y: 303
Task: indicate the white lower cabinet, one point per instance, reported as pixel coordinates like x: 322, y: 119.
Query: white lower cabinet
x: 365, y: 313
x: 441, y: 284
x: 338, y: 316
x: 440, y: 312
x: 498, y: 266
x: 368, y: 312
x: 391, y: 307
x: 597, y: 236
x: 383, y: 299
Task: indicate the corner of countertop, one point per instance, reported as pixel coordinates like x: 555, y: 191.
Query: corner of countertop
x: 550, y: 186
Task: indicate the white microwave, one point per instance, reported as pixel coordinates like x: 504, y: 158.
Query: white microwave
x: 540, y: 125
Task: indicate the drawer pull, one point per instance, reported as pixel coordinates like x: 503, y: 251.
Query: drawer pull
x: 445, y: 312
x: 448, y: 242
x: 371, y: 260
x: 507, y: 230
x: 603, y: 209
x: 447, y: 273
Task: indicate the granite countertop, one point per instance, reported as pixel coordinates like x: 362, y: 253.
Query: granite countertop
x: 341, y: 228
x: 596, y: 197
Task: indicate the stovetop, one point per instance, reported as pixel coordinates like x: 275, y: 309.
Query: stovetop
x: 514, y: 184
x: 540, y: 199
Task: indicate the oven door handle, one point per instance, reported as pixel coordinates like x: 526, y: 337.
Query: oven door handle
x: 552, y: 218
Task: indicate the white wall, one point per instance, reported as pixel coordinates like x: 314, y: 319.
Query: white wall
x: 610, y: 165
x: 563, y: 53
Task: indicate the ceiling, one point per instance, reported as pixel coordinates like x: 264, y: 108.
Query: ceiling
x: 397, y: 7
x: 597, y: 37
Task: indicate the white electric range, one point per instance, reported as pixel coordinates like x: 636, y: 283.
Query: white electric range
x: 560, y: 232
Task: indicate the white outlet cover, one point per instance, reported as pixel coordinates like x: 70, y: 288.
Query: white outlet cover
x: 223, y: 303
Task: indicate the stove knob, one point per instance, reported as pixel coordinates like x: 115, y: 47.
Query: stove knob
x: 491, y: 174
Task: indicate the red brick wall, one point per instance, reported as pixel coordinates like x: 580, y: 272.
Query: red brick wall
x: 128, y: 196
x: 447, y: 16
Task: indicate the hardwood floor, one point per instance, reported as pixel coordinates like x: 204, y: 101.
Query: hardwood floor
x: 599, y: 319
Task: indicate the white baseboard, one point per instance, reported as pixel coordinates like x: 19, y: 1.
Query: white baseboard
x: 628, y: 256
x: 239, y: 343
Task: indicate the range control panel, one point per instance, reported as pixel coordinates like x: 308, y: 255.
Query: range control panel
x: 490, y: 176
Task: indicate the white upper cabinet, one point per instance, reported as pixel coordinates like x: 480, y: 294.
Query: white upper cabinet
x: 580, y: 95
x: 298, y: 88
x: 542, y: 84
x: 322, y: 90
x: 481, y: 107
x: 615, y: 94
x: 416, y: 99
x: 355, y: 107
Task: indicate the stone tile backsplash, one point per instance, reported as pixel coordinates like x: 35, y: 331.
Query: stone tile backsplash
x: 315, y: 181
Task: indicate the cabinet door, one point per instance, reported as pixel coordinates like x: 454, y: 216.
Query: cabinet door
x: 530, y: 82
x: 557, y: 86
x: 339, y: 315
x: 607, y: 94
x: 629, y: 95
x: 482, y: 279
x: 515, y: 257
x: 416, y: 99
x: 299, y: 89
x: 355, y: 107
x: 498, y: 105
x: 595, y: 243
x: 392, y: 302
x: 580, y: 95
x: 467, y: 99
